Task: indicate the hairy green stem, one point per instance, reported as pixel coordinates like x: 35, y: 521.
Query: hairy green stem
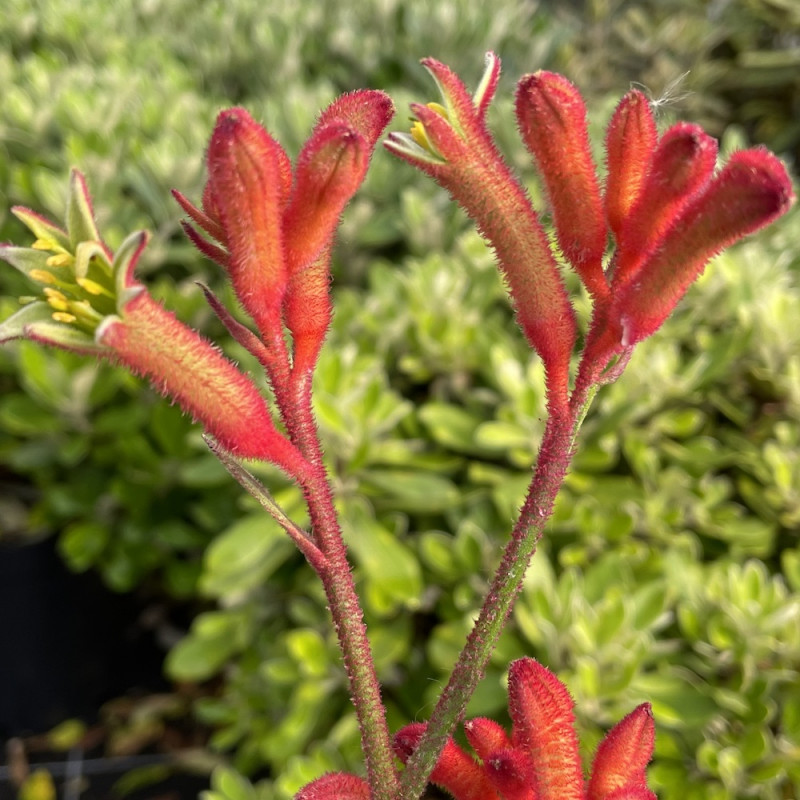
x: 337, y: 579
x: 555, y: 455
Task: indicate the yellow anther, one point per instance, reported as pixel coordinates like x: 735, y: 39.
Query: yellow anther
x: 45, y: 244
x: 56, y: 299
x: 419, y: 136
x: 43, y: 276
x: 63, y: 316
x: 60, y: 260
x: 418, y: 133
x: 93, y: 287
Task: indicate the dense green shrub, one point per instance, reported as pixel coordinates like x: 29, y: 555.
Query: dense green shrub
x: 671, y: 571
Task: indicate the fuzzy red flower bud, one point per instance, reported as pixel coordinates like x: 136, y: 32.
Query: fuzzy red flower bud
x: 682, y: 166
x: 248, y: 184
x: 630, y: 140
x: 485, y: 736
x: 541, y: 710
x: 552, y: 120
x: 335, y: 786
x: 331, y: 166
x: 622, y: 757
x: 752, y: 190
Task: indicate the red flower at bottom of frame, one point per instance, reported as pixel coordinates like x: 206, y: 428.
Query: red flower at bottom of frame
x: 539, y: 760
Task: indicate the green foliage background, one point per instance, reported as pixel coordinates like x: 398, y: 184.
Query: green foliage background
x: 671, y: 570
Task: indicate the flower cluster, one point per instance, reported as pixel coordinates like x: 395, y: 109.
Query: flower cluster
x: 539, y: 760
x: 274, y: 239
x: 273, y: 230
x: 663, y: 204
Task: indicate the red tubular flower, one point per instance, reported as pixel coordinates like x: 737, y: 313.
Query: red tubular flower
x: 485, y: 736
x: 248, y: 182
x: 620, y: 764
x: 451, y: 143
x: 666, y: 212
x: 91, y: 303
x: 541, y: 710
x: 552, y: 120
x: 274, y: 231
x: 331, y: 166
x: 335, y: 786
x: 540, y: 760
x: 752, y: 190
x: 631, y: 138
x: 681, y: 169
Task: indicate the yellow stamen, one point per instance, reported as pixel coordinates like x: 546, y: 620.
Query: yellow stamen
x: 45, y: 244
x: 60, y: 260
x: 85, y: 313
x: 93, y: 287
x: 42, y: 275
x: 62, y: 316
x: 56, y: 299
x: 418, y: 133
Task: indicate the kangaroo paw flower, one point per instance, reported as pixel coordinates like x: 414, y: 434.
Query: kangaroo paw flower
x: 335, y: 786
x: 272, y: 227
x: 540, y: 759
x: 552, y: 120
x: 450, y: 142
x: 90, y: 302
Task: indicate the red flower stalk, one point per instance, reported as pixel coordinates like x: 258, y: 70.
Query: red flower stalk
x: 90, y: 302
x: 540, y: 760
x: 275, y: 230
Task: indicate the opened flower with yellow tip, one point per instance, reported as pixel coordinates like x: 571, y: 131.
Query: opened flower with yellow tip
x: 88, y: 300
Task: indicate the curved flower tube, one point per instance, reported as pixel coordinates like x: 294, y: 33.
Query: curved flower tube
x: 88, y: 301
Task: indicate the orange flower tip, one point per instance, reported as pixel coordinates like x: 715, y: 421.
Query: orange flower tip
x: 366, y: 111
x: 488, y: 84
x: 486, y: 736
x: 240, y: 145
x: 631, y: 138
x: 760, y: 174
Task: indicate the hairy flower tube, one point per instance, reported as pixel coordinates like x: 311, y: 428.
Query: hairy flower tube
x: 538, y: 760
x: 664, y: 207
x: 88, y: 301
x: 273, y: 226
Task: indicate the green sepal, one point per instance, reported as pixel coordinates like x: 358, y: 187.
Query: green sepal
x: 35, y: 321
x: 81, y: 226
x: 25, y: 259
x: 40, y: 227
